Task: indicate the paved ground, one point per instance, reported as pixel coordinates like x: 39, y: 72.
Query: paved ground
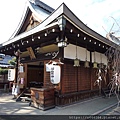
x: 115, y: 111
x: 8, y: 106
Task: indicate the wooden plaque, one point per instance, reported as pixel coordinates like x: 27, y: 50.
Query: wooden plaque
x: 31, y: 53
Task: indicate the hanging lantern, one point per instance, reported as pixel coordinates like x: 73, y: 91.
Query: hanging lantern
x: 62, y: 43
x: 95, y: 63
x: 76, y: 60
x: 86, y: 64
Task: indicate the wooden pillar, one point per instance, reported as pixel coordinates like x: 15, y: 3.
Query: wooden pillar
x: 16, y: 70
x: 17, y: 54
x: 91, y: 83
x: 61, y: 57
x: 25, y: 74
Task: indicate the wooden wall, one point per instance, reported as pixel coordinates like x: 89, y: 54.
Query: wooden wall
x: 75, y: 79
x: 76, y: 83
x: 46, y: 75
x: 69, y: 78
x: 84, y: 78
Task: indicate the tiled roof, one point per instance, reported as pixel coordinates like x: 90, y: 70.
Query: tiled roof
x: 4, y: 60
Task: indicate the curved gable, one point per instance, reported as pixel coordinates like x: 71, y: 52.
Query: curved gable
x: 35, y: 11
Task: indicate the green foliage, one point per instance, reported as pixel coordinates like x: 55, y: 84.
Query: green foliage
x: 3, y: 71
x: 13, y: 61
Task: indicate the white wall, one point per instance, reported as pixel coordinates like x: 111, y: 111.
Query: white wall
x: 98, y: 57
x: 70, y: 52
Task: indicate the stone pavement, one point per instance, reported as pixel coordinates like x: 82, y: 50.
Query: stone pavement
x: 115, y: 111
x: 8, y: 106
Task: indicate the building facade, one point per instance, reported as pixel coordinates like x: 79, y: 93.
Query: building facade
x: 45, y: 38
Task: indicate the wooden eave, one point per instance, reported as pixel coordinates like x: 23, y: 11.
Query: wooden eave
x: 26, y: 15
x: 85, y: 31
x: 72, y: 22
x: 22, y: 43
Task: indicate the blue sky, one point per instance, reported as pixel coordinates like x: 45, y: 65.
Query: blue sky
x: 94, y: 13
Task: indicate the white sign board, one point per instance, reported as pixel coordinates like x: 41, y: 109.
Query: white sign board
x: 21, y: 69
x: 55, y: 74
x: 11, y: 74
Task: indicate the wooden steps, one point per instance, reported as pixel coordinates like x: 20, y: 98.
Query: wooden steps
x: 24, y: 96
